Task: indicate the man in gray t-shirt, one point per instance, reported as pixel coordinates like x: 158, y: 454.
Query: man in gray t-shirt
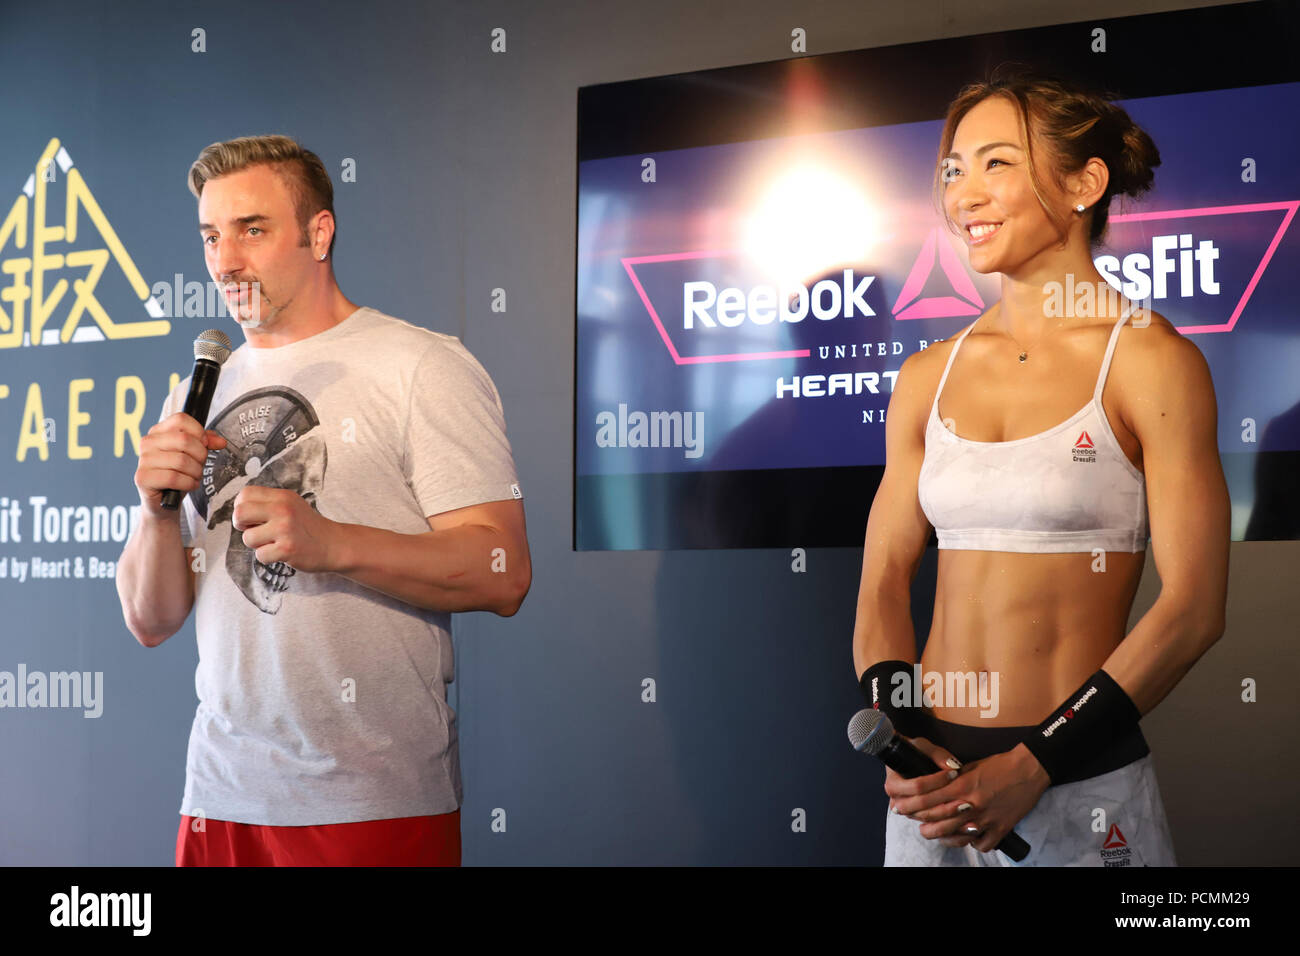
x: 353, y: 488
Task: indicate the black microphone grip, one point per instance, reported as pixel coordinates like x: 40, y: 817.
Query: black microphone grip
x: 203, y: 382
x: 906, y: 761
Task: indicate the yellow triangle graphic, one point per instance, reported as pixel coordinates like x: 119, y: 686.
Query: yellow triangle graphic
x: 33, y: 290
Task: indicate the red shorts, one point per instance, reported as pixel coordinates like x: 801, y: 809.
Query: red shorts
x: 402, y: 841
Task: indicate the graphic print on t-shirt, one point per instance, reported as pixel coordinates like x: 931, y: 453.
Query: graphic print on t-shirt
x: 272, y: 440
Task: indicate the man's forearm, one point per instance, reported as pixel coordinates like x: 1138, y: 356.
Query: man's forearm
x: 153, y: 580
x: 466, y: 568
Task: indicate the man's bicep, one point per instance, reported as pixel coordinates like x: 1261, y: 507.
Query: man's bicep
x: 504, y: 516
x: 506, y: 519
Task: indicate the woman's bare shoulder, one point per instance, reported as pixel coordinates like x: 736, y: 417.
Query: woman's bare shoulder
x: 1158, y: 365
x: 1156, y: 342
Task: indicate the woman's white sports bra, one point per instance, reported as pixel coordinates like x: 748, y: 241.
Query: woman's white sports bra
x: 1070, y: 488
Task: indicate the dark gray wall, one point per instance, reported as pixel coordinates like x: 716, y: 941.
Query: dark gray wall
x: 465, y: 183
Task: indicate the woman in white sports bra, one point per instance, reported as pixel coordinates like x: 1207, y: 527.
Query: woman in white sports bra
x: 1044, y: 442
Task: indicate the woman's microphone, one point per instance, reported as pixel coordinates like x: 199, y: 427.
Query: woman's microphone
x: 871, y: 732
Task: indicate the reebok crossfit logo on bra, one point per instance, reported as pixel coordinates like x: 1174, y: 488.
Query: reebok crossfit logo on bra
x: 1084, y: 449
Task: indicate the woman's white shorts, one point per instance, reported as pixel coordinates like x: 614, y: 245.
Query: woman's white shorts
x: 1112, y: 819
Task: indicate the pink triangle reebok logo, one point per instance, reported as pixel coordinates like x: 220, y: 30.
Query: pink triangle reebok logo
x: 937, y: 306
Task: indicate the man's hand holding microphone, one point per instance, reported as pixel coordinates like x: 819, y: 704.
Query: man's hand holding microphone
x: 155, y: 582
x: 172, y: 455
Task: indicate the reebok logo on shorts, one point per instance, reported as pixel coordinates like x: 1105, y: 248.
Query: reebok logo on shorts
x: 1115, y: 849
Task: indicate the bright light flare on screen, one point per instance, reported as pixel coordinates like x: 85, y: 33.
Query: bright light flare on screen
x: 808, y: 220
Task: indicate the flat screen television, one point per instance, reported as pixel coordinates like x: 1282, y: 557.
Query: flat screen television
x: 759, y: 249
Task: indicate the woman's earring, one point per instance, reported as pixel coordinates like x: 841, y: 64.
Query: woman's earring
x: 1079, y: 208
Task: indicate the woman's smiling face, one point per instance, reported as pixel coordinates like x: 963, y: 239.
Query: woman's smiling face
x: 986, y: 181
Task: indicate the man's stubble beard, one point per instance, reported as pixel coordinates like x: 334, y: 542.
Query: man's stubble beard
x: 265, y: 315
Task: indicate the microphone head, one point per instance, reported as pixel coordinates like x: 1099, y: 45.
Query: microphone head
x: 870, y: 731
x: 213, y: 345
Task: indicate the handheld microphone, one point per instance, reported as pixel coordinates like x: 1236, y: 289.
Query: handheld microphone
x: 211, y: 349
x: 872, y: 732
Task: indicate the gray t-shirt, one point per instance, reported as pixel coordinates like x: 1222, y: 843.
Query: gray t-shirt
x: 322, y: 700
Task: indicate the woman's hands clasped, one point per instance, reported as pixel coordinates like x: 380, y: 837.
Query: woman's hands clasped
x: 992, y: 795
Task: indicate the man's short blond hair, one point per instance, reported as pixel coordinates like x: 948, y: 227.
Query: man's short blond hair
x: 300, y: 168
